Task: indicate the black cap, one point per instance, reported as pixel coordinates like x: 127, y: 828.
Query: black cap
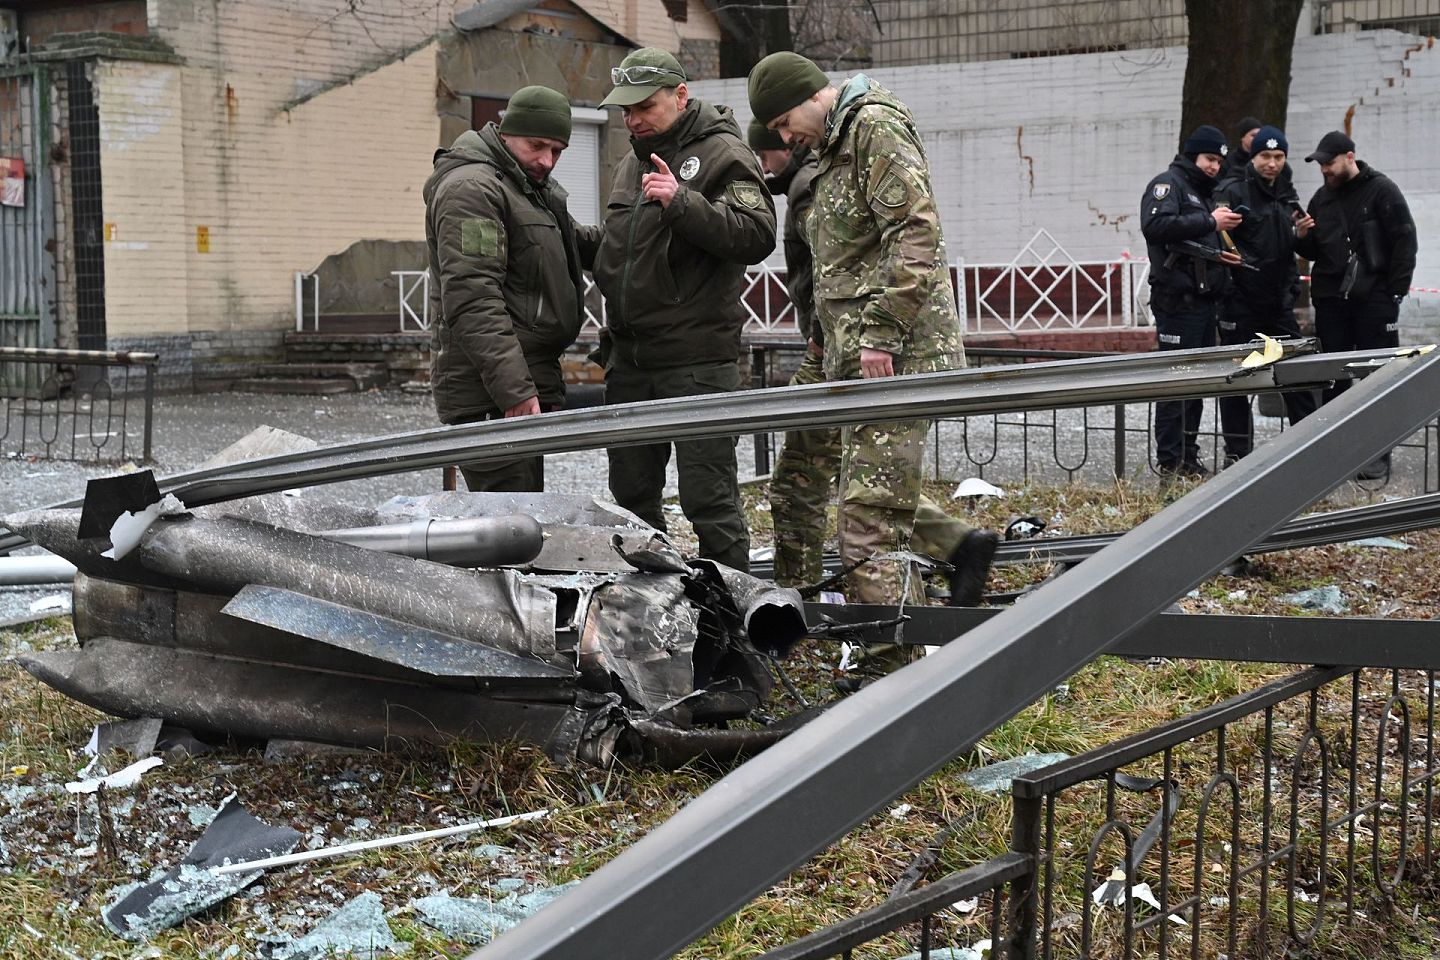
x: 1331, y: 146
x: 1247, y: 124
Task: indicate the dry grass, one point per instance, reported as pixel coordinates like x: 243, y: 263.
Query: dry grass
x: 47, y: 888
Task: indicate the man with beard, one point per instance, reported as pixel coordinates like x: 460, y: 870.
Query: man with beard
x: 1182, y: 229
x: 1363, y: 248
x: 687, y: 212
x: 1262, y: 300
x: 507, y: 287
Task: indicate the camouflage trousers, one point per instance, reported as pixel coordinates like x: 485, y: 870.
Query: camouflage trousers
x: 800, y: 490
x: 801, y: 487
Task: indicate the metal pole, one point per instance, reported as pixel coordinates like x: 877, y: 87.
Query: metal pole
x: 770, y: 815
x: 1023, y: 901
x: 151, y: 367
x: 1120, y: 441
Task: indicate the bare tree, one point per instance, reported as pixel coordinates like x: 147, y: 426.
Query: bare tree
x: 1239, y: 61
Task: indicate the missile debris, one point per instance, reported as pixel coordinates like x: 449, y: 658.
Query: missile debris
x: 552, y: 619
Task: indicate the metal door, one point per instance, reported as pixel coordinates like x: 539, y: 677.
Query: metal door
x: 27, y: 263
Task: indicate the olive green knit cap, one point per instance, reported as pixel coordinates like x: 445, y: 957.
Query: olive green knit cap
x: 537, y: 112
x: 782, y: 81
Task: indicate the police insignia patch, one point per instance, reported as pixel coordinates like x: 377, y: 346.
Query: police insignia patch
x: 746, y: 194
x: 1161, y: 191
x: 689, y: 168
x: 1271, y: 144
x: 1224, y: 150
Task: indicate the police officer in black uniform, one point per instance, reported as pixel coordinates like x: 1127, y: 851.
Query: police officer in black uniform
x: 1261, y: 300
x: 1189, y: 271
x: 1363, y: 246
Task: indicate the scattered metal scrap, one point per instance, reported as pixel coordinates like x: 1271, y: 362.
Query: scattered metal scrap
x: 257, y: 619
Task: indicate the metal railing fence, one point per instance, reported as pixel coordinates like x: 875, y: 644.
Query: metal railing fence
x: 76, y: 404
x: 1256, y: 827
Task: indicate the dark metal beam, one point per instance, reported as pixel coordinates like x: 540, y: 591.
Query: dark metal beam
x: 1337, y: 641
x: 1213, y: 371
x: 773, y: 813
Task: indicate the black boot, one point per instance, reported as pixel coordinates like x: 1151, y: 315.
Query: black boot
x: 970, y: 567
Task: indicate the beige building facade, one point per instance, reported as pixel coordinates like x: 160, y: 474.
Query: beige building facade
x: 197, y: 155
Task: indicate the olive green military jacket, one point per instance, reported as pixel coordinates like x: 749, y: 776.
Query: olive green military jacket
x: 673, y: 276
x: 505, y: 275
x: 881, y: 277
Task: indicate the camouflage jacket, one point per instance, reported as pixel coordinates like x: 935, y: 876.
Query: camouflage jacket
x: 881, y: 278
x: 506, y: 284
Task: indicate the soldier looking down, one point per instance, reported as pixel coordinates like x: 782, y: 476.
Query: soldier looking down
x: 507, y: 291
x: 882, y: 297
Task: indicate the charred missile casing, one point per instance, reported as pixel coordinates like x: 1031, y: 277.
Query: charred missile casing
x: 228, y: 624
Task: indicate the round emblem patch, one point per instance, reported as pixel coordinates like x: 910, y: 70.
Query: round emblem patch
x: 1271, y: 144
x: 1224, y: 150
x: 689, y: 168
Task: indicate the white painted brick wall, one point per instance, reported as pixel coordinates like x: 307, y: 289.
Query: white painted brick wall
x: 1098, y: 127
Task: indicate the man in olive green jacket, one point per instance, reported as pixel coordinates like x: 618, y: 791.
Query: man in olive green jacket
x: 882, y: 296
x: 687, y: 212
x: 506, y: 286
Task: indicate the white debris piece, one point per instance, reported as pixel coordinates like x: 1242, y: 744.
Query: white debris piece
x: 975, y: 487
x: 118, y: 780
x: 129, y: 527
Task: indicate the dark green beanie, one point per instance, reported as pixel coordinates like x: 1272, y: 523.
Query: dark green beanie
x: 761, y: 137
x: 537, y: 112
x: 782, y: 81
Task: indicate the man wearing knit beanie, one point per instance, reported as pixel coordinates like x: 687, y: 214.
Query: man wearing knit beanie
x: 883, y: 302
x: 1239, y: 155
x: 1262, y: 300
x: 1182, y: 228
x: 505, y: 274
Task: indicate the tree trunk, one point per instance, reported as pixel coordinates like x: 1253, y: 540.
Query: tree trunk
x: 1239, y: 63
x: 751, y: 32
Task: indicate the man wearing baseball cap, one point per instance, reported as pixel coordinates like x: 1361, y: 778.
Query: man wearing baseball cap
x: 687, y: 213
x: 882, y: 297
x: 507, y: 288
x: 1261, y: 301
x: 1362, y: 247
x: 1182, y: 228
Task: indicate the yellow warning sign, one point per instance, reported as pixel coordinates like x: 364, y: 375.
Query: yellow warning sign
x: 202, y: 239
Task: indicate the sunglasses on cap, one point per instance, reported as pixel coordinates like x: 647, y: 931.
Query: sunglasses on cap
x: 641, y: 74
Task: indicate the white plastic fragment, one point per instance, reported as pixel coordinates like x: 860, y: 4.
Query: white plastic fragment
x: 127, y: 777
x: 975, y: 487
x: 58, y: 601
x: 966, y: 906
x: 900, y: 811
x: 129, y: 527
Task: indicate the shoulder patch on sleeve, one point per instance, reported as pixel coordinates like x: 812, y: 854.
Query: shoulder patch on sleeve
x: 480, y: 237
x: 1161, y: 191
x: 746, y: 194
x: 893, y: 190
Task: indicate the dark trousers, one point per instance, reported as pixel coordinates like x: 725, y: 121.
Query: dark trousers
x: 1239, y: 326
x: 525, y: 475
x: 1370, y: 323
x: 709, y: 487
x: 1181, y: 323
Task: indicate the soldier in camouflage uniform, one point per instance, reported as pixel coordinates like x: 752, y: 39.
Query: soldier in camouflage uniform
x: 805, y: 471
x: 882, y: 297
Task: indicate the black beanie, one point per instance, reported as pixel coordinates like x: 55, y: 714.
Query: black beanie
x: 1205, y: 139
x: 761, y: 137
x: 537, y: 112
x: 1247, y: 124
